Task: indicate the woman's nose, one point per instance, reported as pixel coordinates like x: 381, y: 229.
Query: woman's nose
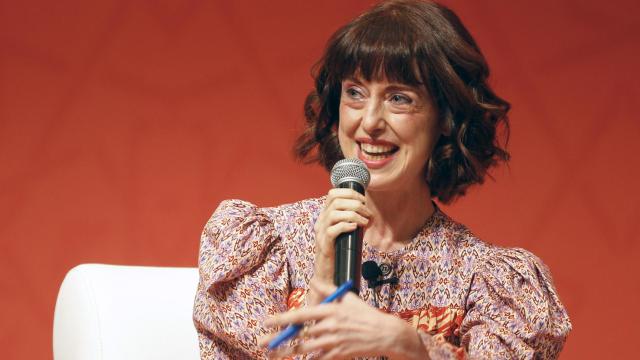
x: 373, y: 119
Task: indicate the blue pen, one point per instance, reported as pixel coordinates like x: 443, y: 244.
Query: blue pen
x: 293, y: 329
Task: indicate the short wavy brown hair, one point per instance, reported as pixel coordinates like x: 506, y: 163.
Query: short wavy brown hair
x: 414, y: 43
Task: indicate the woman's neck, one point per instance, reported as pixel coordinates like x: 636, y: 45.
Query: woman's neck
x: 397, y: 216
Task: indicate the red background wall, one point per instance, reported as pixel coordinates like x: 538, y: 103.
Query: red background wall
x: 124, y: 123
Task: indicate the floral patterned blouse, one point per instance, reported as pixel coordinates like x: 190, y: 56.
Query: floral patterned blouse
x: 473, y: 299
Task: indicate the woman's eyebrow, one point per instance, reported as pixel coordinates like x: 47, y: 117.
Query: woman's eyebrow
x: 390, y: 87
x: 400, y: 87
x: 403, y: 87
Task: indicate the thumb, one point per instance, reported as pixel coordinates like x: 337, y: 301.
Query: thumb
x: 322, y: 288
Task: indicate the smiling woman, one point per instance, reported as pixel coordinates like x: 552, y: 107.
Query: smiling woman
x: 425, y: 47
x: 403, y: 88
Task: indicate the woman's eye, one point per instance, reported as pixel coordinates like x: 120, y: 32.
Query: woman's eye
x: 400, y: 99
x: 353, y: 93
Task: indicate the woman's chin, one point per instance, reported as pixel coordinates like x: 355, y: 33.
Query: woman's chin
x: 382, y: 184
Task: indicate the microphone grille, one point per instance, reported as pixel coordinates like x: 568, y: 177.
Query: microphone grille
x: 350, y: 170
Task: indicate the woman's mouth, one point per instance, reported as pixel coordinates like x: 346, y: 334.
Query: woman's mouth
x: 376, y: 155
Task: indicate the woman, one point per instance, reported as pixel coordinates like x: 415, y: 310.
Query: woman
x: 402, y: 87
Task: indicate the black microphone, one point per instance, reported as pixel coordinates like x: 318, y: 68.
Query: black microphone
x: 351, y: 174
x: 392, y: 280
x: 371, y: 272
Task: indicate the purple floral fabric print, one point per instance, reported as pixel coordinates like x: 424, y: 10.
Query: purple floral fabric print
x: 465, y: 298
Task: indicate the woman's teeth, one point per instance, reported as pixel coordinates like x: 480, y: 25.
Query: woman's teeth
x: 377, y: 152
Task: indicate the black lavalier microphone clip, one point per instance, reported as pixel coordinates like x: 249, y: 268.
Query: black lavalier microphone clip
x: 372, y: 272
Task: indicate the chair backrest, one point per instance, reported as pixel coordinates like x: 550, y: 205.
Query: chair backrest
x: 108, y: 312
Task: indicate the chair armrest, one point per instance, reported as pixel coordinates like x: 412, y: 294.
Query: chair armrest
x: 109, y: 312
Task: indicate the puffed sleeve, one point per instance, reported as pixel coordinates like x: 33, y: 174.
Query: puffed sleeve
x: 243, y: 280
x: 512, y: 312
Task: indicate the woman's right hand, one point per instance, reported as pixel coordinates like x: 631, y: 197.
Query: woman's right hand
x: 344, y: 210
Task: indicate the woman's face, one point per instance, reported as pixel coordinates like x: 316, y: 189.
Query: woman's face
x: 392, y: 127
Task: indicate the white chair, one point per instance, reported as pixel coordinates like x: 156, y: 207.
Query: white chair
x: 108, y: 312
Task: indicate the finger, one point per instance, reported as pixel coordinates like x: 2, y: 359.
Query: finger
x: 337, y: 193
x: 325, y: 242
x: 323, y: 328
x: 283, y: 351
x: 337, y: 216
x: 333, y: 354
x: 324, y: 343
x: 334, y: 230
x: 345, y: 210
x: 322, y: 288
x: 300, y: 316
x: 349, y: 204
x: 265, y: 339
x: 351, y: 299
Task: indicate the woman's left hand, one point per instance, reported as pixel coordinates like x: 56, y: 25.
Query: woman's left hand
x: 346, y: 329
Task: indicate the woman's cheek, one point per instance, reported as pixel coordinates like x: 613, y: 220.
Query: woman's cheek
x: 348, y: 124
x: 349, y: 117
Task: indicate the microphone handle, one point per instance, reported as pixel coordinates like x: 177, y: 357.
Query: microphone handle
x: 348, y: 250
